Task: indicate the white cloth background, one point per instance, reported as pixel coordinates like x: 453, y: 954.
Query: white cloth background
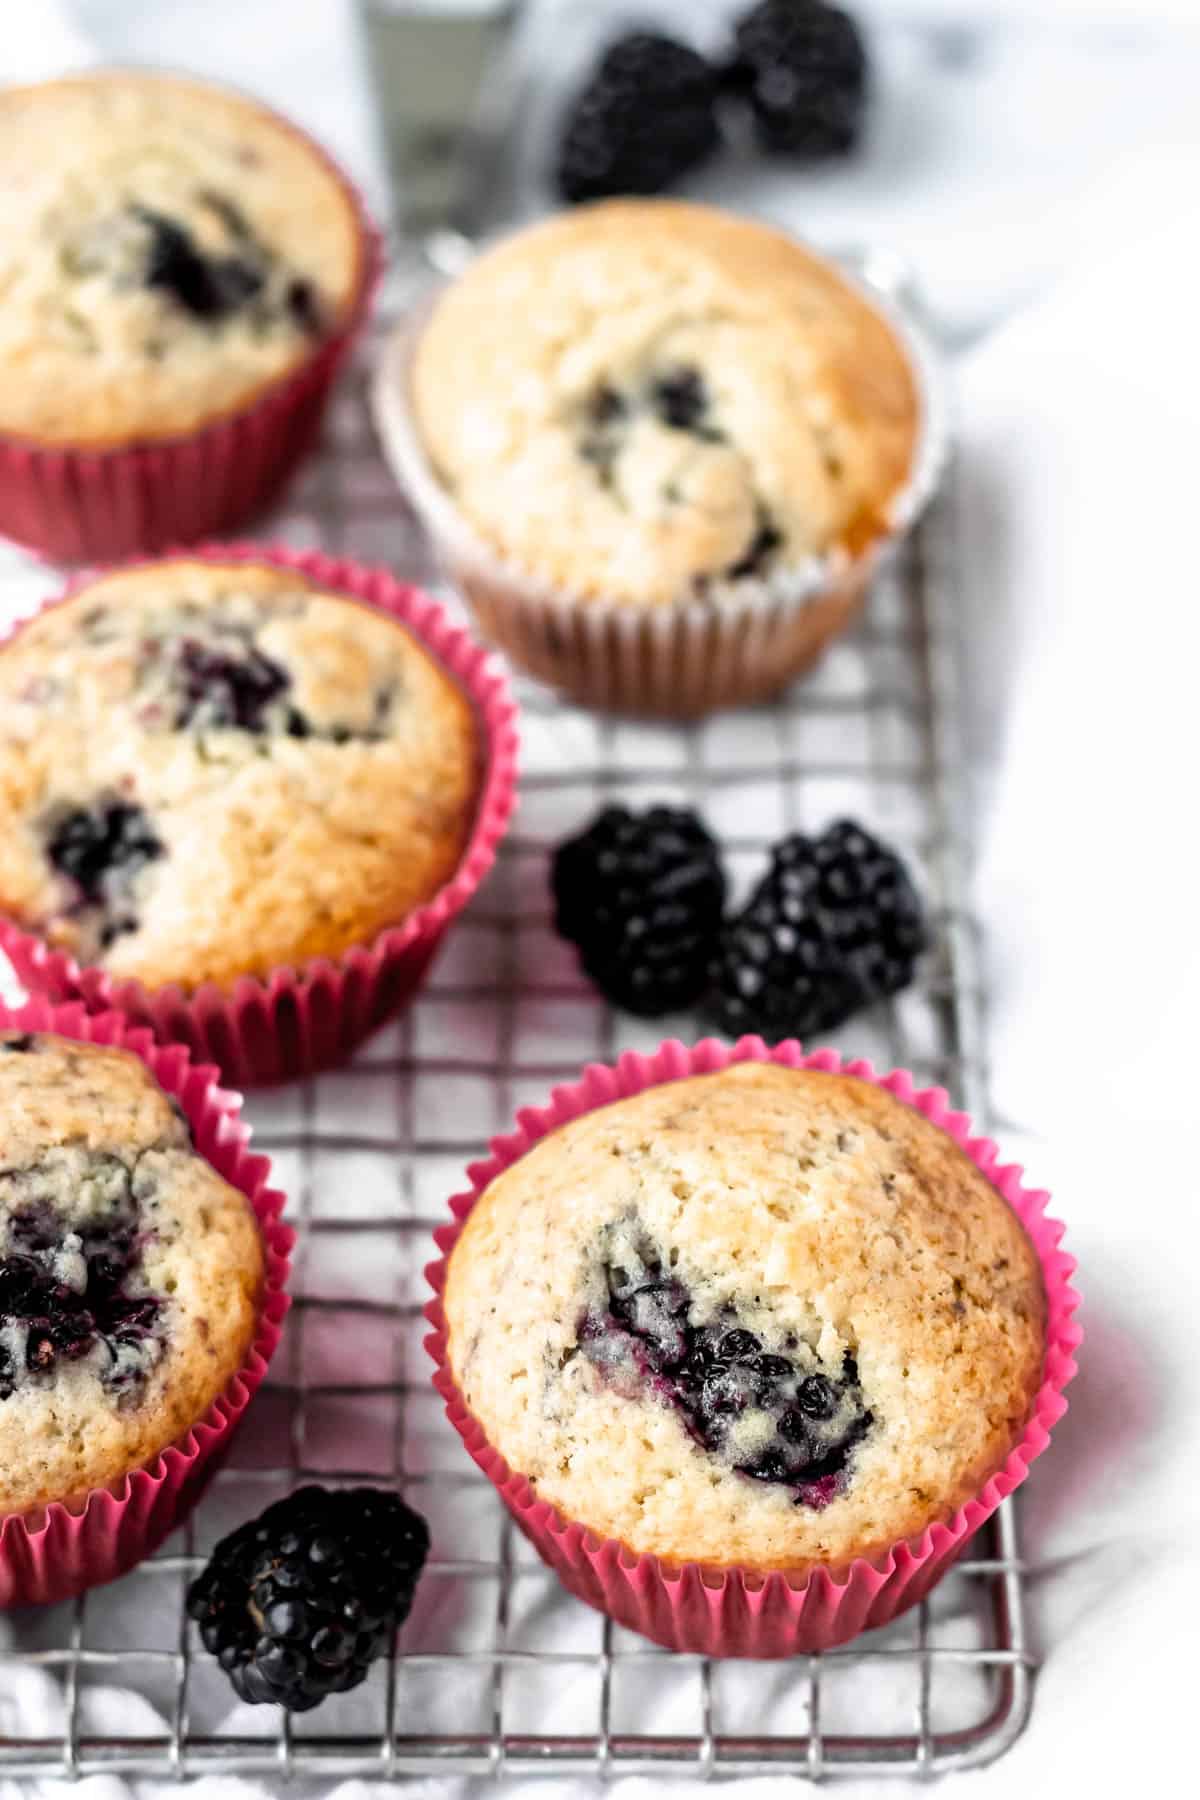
x: 1056, y: 191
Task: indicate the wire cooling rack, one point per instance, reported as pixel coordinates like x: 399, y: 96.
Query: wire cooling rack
x: 498, y: 1671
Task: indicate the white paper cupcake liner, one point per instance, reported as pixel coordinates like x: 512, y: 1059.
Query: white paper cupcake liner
x: 742, y: 643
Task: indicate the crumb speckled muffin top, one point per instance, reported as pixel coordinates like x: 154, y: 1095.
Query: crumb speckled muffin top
x: 130, y: 1272
x: 644, y: 400
x: 212, y: 770
x: 766, y: 1317
x: 166, y: 249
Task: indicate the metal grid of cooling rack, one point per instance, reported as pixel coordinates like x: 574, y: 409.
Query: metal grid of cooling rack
x: 497, y: 1671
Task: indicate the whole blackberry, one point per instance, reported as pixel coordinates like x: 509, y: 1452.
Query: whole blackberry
x: 802, y: 66
x: 298, y: 1603
x: 642, y: 900
x: 834, y: 924
x: 645, y: 116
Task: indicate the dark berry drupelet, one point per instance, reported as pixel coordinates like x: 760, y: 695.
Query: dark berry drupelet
x: 802, y: 66
x: 642, y: 898
x: 298, y: 1603
x: 834, y: 924
x: 646, y: 115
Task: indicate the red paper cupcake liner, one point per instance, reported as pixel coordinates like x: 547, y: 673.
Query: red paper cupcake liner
x: 298, y: 1020
x: 97, y: 505
x: 60, y: 1549
x: 739, y: 1611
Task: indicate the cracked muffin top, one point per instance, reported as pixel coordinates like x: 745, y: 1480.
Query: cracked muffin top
x: 769, y: 1317
x: 166, y: 250
x: 644, y: 400
x: 130, y: 1271
x: 212, y: 770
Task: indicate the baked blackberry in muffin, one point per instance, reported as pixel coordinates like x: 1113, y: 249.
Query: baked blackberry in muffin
x: 167, y: 250
x: 210, y: 770
x: 767, y: 1317
x: 130, y: 1271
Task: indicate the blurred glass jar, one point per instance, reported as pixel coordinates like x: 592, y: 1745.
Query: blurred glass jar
x: 438, y: 69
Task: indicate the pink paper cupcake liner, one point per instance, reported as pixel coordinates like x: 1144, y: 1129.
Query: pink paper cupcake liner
x: 298, y: 1020
x: 60, y: 1549
x: 97, y: 505
x: 742, y: 1611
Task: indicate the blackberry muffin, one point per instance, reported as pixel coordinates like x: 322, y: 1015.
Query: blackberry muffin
x: 181, y: 275
x: 130, y: 1272
x: 166, y: 250
x: 645, y: 408
x: 211, y: 770
x: 785, y: 1322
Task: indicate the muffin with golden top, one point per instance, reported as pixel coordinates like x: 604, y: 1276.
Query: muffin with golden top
x: 784, y: 1322
x: 131, y: 1273
x: 180, y: 273
x: 650, y: 435
x: 211, y: 770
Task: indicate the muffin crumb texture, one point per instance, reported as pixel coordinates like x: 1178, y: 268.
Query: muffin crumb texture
x: 130, y: 1271
x: 765, y: 1317
x: 209, y: 771
x: 645, y: 401
x: 166, y: 249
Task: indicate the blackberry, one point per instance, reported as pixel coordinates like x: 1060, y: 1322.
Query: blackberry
x: 94, y: 845
x: 642, y: 898
x: 208, y: 287
x: 805, y: 1425
x: 834, y: 925
x: 43, y: 1320
x: 298, y: 1603
x: 233, y: 692
x: 101, y: 849
x: 680, y: 399
x: 645, y: 116
x: 802, y: 66
x: 304, y: 309
x: 759, y: 551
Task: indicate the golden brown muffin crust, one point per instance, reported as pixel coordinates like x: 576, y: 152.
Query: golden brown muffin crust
x: 815, y: 1211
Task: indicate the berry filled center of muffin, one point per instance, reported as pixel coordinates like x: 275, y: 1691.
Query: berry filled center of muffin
x: 203, y: 260
x: 72, y: 1292
x: 772, y: 1412
x: 229, y: 691
x: 657, y: 443
x: 101, y: 850
x: 676, y: 398
x: 206, y: 670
